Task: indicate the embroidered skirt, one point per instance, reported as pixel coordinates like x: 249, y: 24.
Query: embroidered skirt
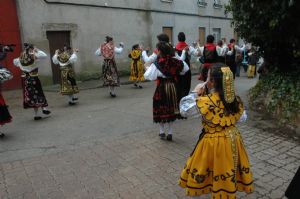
x: 68, y: 82
x: 251, y: 71
x: 5, y: 117
x: 165, y: 102
x: 218, y: 165
x: 136, y: 71
x: 110, y: 73
x: 33, y: 95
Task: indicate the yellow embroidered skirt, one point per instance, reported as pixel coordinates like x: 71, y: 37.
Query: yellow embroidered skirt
x: 68, y: 82
x: 136, y: 71
x: 212, y: 165
x: 251, y: 71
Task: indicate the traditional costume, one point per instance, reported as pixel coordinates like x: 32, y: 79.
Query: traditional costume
x: 66, y: 59
x: 109, y: 68
x: 219, y: 163
x: 184, y: 80
x: 166, y: 70
x: 136, y: 66
x: 33, y: 95
x: 252, y: 61
x: 231, y: 57
x: 5, y: 75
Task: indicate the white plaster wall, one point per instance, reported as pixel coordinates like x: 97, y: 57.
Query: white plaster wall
x: 129, y: 26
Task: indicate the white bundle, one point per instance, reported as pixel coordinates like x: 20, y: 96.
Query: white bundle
x: 188, y: 106
x: 5, y: 75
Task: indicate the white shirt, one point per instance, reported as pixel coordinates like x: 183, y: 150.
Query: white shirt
x: 39, y: 55
x: 152, y: 72
x: 237, y: 48
x: 221, y: 51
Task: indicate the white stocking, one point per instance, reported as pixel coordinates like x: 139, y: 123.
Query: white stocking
x: 36, y: 110
x: 170, y: 129
x: 161, y: 128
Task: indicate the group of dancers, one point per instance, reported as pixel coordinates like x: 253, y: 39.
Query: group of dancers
x: 219, y: 163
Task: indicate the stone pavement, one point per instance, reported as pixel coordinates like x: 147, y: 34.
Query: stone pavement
x: 134, y: 164
x: 143, y: 166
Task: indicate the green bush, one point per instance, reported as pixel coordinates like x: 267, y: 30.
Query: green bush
x: 282, y: 95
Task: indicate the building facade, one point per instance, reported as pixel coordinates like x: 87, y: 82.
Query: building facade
x: 83, y: 24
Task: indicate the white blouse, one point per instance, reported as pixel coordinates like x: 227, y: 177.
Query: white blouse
x: 38, y: 54
x: 152, y: 72
x: 221, y: 51
x: 71, y: 60
x: 237, y: 48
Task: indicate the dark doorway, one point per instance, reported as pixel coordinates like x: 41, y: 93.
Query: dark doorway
x: 57, y: 39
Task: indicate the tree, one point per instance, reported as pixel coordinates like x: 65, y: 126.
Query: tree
x: 273, y: 26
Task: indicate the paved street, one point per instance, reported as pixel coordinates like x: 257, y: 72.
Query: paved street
x: 109, y: 148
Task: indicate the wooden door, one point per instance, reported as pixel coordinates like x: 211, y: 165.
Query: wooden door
x: 57, y: 40
x: 169, y: 32
x: 202, y: 36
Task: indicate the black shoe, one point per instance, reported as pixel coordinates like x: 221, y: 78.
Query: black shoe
x: 37, y: 118
x: 135, y: 85
x: 162, y: 135
x: 2, y: 135
x: 169, y: 137
x: 112, y: 95
x: 72, y: 103
x: 75, y: 98
x: 46, y: 112
x: 140, y: 86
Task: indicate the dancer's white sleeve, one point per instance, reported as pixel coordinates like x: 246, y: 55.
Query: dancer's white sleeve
x: 73, y: 58
x: 152, y: 58
x: 54, y: 59
x: 40, y: 54
x: 98, y: 52
x: 118, y: 50
x: 152, y: 73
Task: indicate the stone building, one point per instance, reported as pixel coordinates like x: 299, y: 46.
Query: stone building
x: 85, y: 23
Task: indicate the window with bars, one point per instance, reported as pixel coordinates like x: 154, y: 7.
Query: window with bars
x: 202, y: 3
x: 217, y: 4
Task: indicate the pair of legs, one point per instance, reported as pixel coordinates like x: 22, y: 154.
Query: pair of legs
x: 112, y: 91
x: 45, y: 111
x: 166, y: 127
x: 72, y: 99
x: 137, y: 84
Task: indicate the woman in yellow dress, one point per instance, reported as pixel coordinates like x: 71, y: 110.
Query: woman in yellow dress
x: 136, y: 66
x: 219, y: 163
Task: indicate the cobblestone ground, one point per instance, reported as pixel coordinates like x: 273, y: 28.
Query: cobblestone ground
x: 140, y: 165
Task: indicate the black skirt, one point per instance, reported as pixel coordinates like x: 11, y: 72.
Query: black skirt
x: 165, y: 101
x: 184, y: 84
x: 293, y: 191
x: 5, y: 117
x: 33, y: 95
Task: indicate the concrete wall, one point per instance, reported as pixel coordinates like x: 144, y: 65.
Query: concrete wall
x: 129, y: 21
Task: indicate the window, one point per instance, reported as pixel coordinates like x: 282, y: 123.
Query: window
x: 202, y: 3
x: 168, y: 31
x: 201, y: 36
x: 217, y: 4
x: 217, y: 34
